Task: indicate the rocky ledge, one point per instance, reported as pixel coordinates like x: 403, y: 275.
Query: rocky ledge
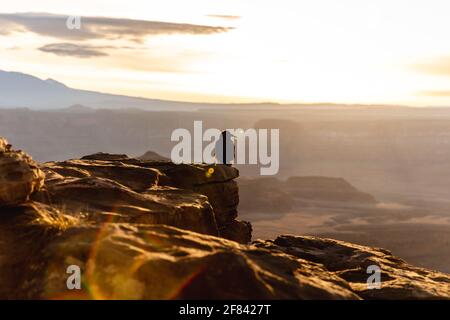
x: 142, y: 229
x: 114, y: 188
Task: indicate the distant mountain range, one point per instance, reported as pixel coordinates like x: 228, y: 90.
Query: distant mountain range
x: 19, y: 90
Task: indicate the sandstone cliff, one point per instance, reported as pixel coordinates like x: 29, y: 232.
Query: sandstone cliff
x: 142, y: 229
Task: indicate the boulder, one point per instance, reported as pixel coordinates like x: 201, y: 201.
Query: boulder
x: 19, y: 175
x: 240, y: 231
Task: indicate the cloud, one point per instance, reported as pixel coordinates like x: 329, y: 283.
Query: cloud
x: 224, y: 16
x: 74, y: 50
x: 439, y: 67
x: 442, y: 93
x: 436, y: 67
x: 54, y: 25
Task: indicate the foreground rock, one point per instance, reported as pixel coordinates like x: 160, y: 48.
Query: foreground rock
x: 130, y: 261
x: 399, y: 280
x: 19, y: 175
x: 158, y: 262
x: 125, y: 261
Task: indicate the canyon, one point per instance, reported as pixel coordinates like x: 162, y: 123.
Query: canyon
x: 145, y: 229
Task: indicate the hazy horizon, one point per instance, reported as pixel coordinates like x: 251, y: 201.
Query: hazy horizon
x: 230, y: 103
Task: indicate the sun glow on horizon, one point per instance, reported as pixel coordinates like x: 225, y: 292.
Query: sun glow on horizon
x: 349, y: 51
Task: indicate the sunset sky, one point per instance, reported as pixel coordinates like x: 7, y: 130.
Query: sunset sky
x: 346, y: 51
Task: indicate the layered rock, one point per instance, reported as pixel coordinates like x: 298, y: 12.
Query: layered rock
x: 19, y: 175
x: 213, y: 182
x: 399, y: 280
x: 200, y: 198
x: 98, y: 199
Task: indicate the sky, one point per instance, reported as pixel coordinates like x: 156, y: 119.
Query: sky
x: 286, y: 51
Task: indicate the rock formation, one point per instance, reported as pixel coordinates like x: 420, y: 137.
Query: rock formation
x: 201, y: 198
x: 153, y: 156
x: 19, y: 175
x: 399, y: 280
x: 142, y: 229
x: 271, y: 195
x: 327, y: 189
